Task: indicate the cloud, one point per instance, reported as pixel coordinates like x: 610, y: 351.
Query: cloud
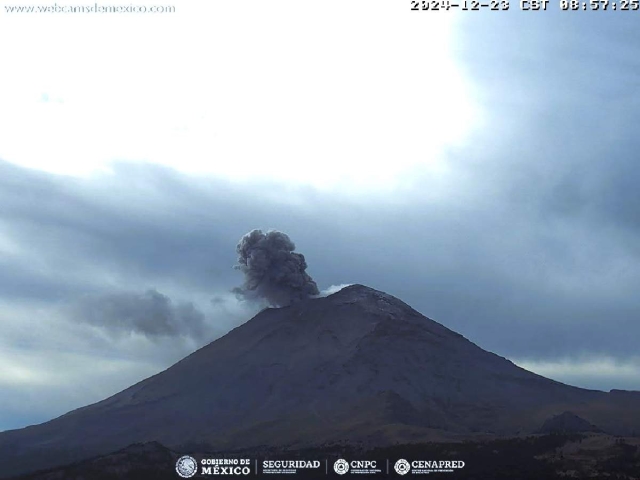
x: 334, y: 289
x: 526, y: 241
x: 151, y: 313
x: 510, y: 274
x: 589, y: 372
x: 524, y: 238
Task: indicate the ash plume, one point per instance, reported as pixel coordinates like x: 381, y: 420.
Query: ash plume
x: 272, y: 270
x: 151, y: 314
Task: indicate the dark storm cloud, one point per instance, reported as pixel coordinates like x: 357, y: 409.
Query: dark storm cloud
x: 64, y: 226
x: 21, y: 281
x: 272, y: 270
x: 151, y: 313
x: 511, y: 274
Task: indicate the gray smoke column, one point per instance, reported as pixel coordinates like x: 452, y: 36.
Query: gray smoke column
x: 272, y: 270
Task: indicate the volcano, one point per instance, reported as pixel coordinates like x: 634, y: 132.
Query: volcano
x: 356, y: 366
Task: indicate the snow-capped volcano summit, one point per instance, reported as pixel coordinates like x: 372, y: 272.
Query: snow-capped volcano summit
x: 358, y: 365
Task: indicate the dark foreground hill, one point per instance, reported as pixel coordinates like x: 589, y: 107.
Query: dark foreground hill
x: 357, y: 366
x: 539, y: 457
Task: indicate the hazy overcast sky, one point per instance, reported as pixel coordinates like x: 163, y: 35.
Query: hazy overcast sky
x: 481, y: 166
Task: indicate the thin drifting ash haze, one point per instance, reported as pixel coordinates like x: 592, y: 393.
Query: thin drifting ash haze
x: 272, y: 270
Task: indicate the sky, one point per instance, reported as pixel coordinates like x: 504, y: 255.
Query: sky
x: 480, y: 166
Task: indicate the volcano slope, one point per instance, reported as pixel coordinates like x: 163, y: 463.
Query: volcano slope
x: 357, y: 366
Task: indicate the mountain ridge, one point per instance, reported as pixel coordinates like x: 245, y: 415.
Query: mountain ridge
x: 358, y: 365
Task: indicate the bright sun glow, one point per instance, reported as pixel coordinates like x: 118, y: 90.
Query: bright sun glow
x: 283, y: 90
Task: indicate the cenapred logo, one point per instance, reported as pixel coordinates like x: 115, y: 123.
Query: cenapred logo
x: 341, y: 466
x: 186, y: 466
x: 402, y: 467
x: 423, y: 467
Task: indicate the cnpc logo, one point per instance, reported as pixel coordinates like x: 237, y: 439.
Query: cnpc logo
x: 341, y: 466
